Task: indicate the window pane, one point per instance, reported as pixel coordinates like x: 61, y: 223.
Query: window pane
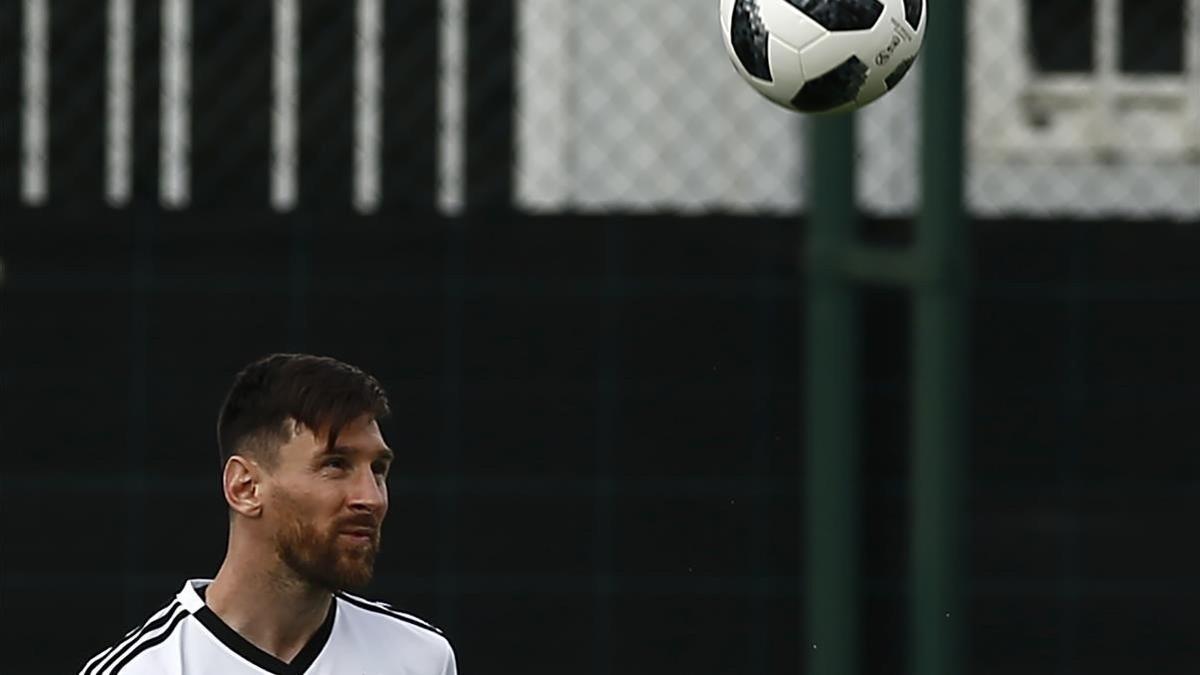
x: 1062, y: 34
x: 1152, y: 36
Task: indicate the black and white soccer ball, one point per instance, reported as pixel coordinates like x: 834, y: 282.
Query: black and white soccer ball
x: 823, y: 56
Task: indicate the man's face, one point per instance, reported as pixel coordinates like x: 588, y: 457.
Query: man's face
x: 326, y: 506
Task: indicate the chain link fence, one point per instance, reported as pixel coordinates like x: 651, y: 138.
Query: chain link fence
x: 1076, y: 108
x: 647, y: 114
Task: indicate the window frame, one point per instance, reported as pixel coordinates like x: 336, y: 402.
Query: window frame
x: 1102, y: 116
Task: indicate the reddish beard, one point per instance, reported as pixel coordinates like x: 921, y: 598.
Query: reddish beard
x: 325, y: 558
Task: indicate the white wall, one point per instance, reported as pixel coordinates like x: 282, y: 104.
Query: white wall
x: 635, y: 106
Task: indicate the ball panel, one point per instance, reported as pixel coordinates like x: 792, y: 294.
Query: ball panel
x: 835, y: 88
x: 872, y: 89
x: 912, y: 13
x: 788, y: 24
x: 789, y: 75
x: 898, y: 74
x: 841, y: 14
x: 749, y: 38
x: 831, y: 51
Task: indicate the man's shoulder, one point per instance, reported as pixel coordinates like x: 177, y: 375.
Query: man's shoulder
x: 383, y: 616
x: 135, y: 653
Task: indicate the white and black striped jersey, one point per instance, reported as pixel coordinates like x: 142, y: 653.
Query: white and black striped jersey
x: 358, y: 637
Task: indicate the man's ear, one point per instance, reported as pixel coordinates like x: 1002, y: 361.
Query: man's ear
x: 242, y: 483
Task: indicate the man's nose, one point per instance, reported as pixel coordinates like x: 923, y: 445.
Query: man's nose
x: 368, y: 492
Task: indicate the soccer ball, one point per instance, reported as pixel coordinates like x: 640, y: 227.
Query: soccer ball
x: 821, y: 56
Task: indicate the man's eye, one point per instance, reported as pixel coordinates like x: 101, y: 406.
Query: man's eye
x: 380, y: 469
x: 336, y: 463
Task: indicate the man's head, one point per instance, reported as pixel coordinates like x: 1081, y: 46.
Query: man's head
x: 305, y: 465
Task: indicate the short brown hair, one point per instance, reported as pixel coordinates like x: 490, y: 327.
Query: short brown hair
x: 319, y: 392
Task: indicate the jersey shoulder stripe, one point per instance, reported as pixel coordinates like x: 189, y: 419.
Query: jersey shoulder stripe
x: 387, y: 610
x: 106, y: 657
x: 95, y: 660
x: 150, y: 642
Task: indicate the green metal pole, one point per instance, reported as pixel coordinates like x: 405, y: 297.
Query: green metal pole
x: 831, y: 475
x: 940, y: 444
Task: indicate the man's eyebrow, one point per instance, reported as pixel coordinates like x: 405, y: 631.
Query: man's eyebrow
x: 384, y: 454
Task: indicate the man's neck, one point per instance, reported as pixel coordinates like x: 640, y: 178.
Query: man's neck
x: 274, y: 611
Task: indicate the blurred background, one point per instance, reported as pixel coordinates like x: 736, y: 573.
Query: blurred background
x: 572, y: 244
